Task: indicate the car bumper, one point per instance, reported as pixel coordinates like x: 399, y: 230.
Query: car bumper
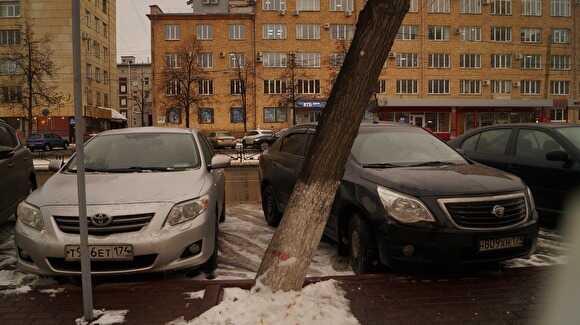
x: 224, y: 144
x: 398, y: 243
x: 154, y: 250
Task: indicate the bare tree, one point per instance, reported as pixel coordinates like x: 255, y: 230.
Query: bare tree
x: 34, y: 67
x: 309, y: 206
x: 242, y: 71
x: 138, y: 95
x: 290, y: 94
x: 182, y: 74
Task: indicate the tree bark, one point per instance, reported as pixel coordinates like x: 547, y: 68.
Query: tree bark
x: 309, y: 206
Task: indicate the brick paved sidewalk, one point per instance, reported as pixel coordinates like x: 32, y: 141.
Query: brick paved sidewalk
x: 506, y: 297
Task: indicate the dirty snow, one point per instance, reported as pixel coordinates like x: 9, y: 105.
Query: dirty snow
x: 194, y: 295
x: 52, y: 292
x: 105, y: 317
x: 551, y: 250
x: 320, y: 303
x: 16, y: 291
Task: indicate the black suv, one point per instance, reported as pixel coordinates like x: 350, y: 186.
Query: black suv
x: 406, y: 196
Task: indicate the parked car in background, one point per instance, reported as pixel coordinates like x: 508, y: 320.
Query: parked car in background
x: 407, y: 197
x: 545, y: 156
x: 156, y: 197
x: 280, y: 134
x: 256, y: 138
x: 46, y: 142
x: 222, y: 139
x: 17, y: 178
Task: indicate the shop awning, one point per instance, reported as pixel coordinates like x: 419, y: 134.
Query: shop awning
x: 461, y: 103
x: 115, y: 115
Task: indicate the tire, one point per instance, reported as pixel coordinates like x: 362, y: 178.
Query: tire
x: 211, y: 265
x: 270, y: 207
x: 362, y: 246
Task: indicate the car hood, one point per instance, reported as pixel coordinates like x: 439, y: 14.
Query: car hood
x: 474, y: 179
x: 102, y: 189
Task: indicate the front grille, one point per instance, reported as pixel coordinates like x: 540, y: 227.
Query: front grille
x: 138, y: 262
x: 119, y: 224
x: 479, y: 213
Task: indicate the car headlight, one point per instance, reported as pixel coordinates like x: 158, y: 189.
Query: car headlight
x: 531, y: 202
x: 404, y: 208
x: 186, y: 211
x: 30, y: 216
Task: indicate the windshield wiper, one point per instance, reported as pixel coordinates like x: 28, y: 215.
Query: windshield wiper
x: 380, y: 165
x: 433, y: 163
x: 140, y: 169
x: 87, y: 170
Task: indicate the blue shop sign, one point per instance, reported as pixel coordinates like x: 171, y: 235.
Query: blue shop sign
x: 310, y: 104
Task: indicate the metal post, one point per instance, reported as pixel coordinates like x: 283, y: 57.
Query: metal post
x: 80, y: 160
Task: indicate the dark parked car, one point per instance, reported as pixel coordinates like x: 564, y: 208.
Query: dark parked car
x: 407, y: 197
x: 46, y: 142
x: 256, y: 138
x: 17, y: 177
x: 222, y: 139
x: 545, y: 156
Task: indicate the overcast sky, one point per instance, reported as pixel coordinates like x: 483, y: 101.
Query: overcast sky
x: 133, y: 29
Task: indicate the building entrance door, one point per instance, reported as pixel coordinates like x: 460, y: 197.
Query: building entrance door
x: 418, y: 120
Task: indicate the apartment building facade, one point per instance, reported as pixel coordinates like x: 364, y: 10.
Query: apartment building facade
x: 52, y: 18
x: 455, y: 64
x: 135, y: 84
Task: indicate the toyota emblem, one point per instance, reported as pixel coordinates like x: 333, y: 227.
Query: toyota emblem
x: 101, y: 220
x: 498, y: 211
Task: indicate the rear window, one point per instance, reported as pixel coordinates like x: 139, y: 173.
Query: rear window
x: 223, y: 134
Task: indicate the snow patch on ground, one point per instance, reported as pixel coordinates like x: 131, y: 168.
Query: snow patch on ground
x: 321, y: 303
x: 52, y: 292
x: 194, y: 295
x: 552, y: 250
x: 17, y: 291
x: 105, y: 317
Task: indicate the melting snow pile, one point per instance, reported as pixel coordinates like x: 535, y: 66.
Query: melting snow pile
x: 194, y: 295
x: 321, y: 303
x: 105, y: 317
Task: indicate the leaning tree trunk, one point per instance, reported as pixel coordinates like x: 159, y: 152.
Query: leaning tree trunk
x: 289, y: 254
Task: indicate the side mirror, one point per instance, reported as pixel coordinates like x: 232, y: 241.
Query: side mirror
x: 6, y: 152
x: 54, y: 165
x: 219, y: 162
x: 557, y: 156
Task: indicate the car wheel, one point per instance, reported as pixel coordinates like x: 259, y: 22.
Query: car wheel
x: 47, y: 147
x: 362, y: 246
x: 270, y: 207
x: 211, y: 265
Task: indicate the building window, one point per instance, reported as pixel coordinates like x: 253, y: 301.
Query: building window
x: 237, y: 32
x: 236, y: 115
x: 472, y: 7
x: 274, y: 60
x: 10, y: 9
x: 236, y: 87
x: 439, y: 87
x: 531, y: 61
x: 10, y: 94
x: 307, y: 32
x: 206, y: 115
x: 172, y: 60
x: 501, y: 86
x: 206, y: 87
x: 341, y: 5
x: 470, y: 34
x: 308, y: 5
x: 99, y: 99
x: 414, y: 6
x: 337, y: 59
x: 172, y: 32
x: 273, y: 5
x: 531, y: 7
x: 407, y: 60
x: 558, y: 115
x: 470, y: 87
x: 106, y: 100
x: 408, y: 32
x: 531, y: 35
x: 501, y: 61
x: 406, y: 86
x: 204, y: 32
x: 274, y: 87
x: 123, y: 102
x: 560, y: 8
x: 237, y: 60
x: 173, y: 88
x: 98, y: 75
x: 501, y: 7
x: 8, y: 67
x: 560, y: 87
x: 9, y: 37
x: 439, y: 60
x: 308, y: 86
x: 560, y: 62
x: 106, y: 77
x: 439, y: 33
x: 342, y: 32
x: 308, y: 60
x: 89, y: 72
x: 501, y: 34
x: 560, y: 36
x: 275, y: 115
x: 274, y: 31
x: 210, y: 2
x: 382, y: 86
x: 205, y: 60
x: 530, y: 87
x: 439, y: 6
x: 470, y: 61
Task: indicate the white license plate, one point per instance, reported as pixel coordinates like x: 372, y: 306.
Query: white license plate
x: 500, y: 243
x: 100, y: 252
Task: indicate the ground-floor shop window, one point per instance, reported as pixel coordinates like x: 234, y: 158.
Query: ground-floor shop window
x: 275, y: 115
x: 474, y: 120
x: 558, y: 115
x: 206, y: 115
x: 434, y: 121
x: 237, y: 115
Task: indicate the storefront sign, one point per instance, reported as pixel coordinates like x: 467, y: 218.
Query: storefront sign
x: 310, y: 104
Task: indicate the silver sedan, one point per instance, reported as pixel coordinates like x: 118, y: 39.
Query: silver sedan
x: 154, y: 200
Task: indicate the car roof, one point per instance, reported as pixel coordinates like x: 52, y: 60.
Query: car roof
x: 149, y: 130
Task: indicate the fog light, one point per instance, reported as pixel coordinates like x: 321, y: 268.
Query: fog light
x: 408, y: 250
x: 194, y: 249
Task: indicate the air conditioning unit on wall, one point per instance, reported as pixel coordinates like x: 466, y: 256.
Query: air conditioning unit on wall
x: 348, y: 13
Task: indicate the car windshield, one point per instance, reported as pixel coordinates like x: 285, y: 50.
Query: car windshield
x: 140, y: 152
x: 572, y: 134
x: 397, y: 147
x: 223, y: 134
